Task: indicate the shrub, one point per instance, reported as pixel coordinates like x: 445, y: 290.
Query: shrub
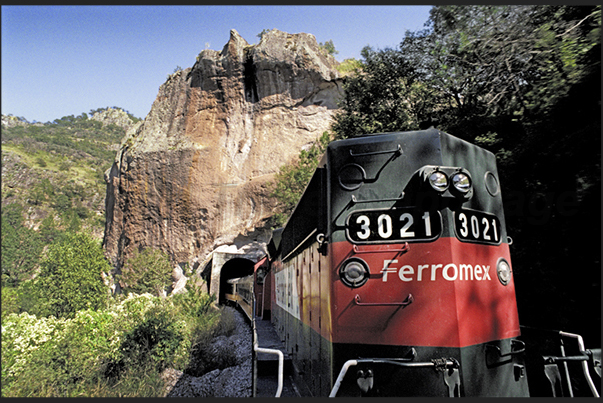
x: 24, y: 341
x: 70, y: 279
x: 29, y: 297
x: 138, y: 381
x: 61, y: 202
x: 193, y: 303
x: 349, y: 66
x: 41, y: 162
x: 50, y: 357
x: 149, y: 271
x: 154, y: 341
x: 65, y: 165
x: 119, y: 351
x: 10, y: 301
x: 91, y: 338
x: 154, y: 335
x: 63, y: 361
x: 226, y: 324
x: 133, y: 308
x: 21, y: 247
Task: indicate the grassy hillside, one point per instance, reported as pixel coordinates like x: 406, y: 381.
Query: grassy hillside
x: 54, y: 171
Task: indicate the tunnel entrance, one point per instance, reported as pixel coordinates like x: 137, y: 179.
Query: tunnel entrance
x: 233, y: 268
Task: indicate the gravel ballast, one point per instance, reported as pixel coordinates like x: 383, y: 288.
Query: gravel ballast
x: 234, y: 381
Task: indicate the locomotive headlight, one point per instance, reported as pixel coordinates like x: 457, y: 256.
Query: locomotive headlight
x: 439, y: 181
x: 461, y: 182
x: 503, y: 270
x: 354, y: 272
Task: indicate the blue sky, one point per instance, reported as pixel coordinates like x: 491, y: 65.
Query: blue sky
x: 65, y: 60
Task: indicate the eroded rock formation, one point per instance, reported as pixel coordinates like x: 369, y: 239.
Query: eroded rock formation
x: 195, y: 174
x: 114, y: 116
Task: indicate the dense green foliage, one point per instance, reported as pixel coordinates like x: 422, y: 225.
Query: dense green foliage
x: 149, y: 271
x: 21, y: 247
x: 381, y: 97
x: 64, y: 336
x: 118, y: 351
x: 348, y: 66
x: 71, y: 277
x: 525, y: 83
x: 292, y: 179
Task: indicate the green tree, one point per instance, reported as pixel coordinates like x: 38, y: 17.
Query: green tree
x: 497, y: 68
x: 21, y: 247
x: 10, y: 301
x: 41, y: 192
x: 384, y: 95
x: 261, y: 34
x: 328, y: 47
x: 292, y: 179
x: 147, y: 271
x: 70, y: 278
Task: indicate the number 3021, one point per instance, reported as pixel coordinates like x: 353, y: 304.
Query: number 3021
x: 393, y: 225
x: 475, y: 226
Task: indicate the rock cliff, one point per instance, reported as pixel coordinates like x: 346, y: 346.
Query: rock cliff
x: 194, y: 174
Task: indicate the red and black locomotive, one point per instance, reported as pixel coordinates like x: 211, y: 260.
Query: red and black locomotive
x: 393, y: 275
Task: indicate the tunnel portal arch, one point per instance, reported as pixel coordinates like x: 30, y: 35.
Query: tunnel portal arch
x: 233, y: 268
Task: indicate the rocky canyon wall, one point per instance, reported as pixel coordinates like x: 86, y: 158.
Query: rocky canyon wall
x: 194, y: 175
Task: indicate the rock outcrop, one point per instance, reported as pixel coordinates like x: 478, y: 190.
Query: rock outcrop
x: 9, y: 121
x: 114, y: 116
x: 195, y: 174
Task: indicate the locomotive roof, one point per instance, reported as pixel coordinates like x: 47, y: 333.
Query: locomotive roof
x: 368, y: 138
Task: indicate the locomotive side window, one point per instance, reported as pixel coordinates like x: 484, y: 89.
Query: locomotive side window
x: 477, y: 226
x: 393, y: 225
